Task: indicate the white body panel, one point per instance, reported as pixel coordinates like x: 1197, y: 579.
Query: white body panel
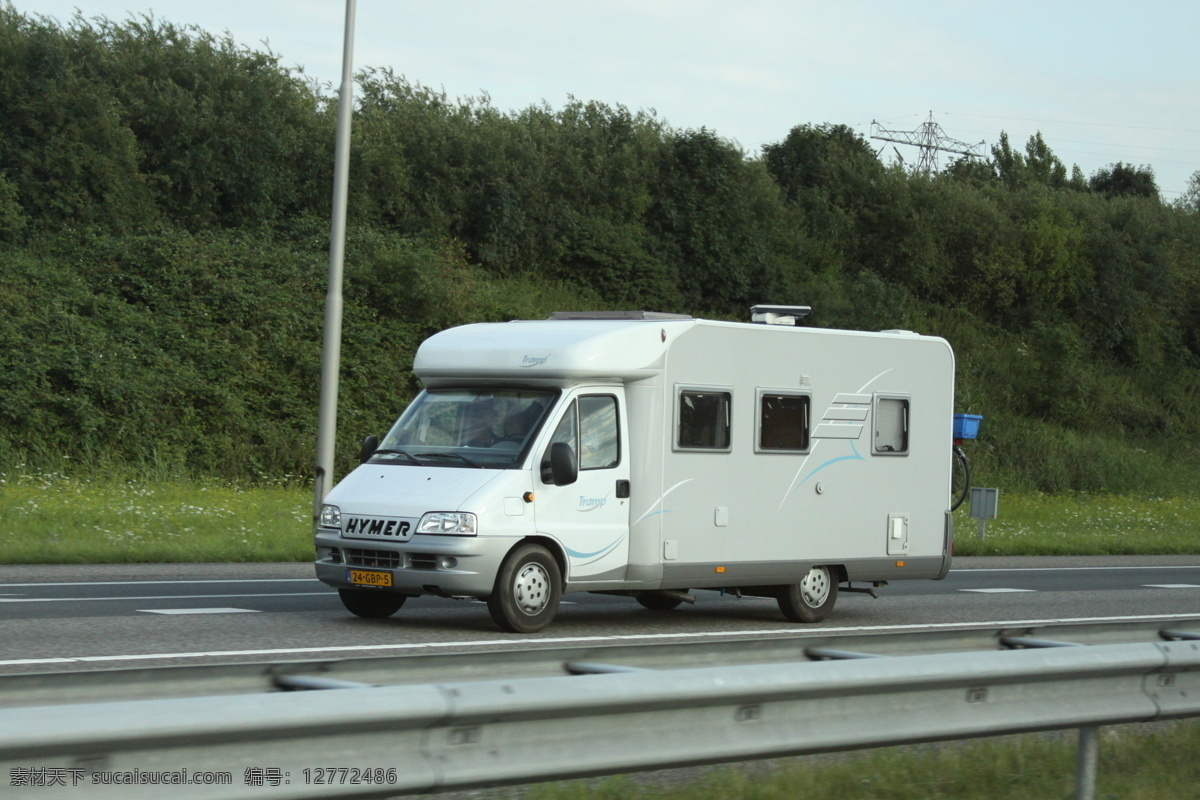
x: 828, y: 505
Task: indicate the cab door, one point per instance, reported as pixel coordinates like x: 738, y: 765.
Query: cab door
x: 589, y: 517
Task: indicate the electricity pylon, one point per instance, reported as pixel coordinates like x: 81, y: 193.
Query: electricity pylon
x: 931, y: 139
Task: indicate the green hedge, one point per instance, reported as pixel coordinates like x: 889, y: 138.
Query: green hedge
x: 164, y: 238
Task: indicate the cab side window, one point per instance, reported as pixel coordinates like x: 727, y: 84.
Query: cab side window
x: 568, y: 429
x: 598, y: 438
x: 591, y: 427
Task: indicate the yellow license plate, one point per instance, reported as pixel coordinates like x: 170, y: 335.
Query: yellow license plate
x: 360, y: 577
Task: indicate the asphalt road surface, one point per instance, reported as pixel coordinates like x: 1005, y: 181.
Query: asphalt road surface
x: 55, y: 618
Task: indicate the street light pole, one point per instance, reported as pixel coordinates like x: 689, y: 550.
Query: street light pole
x: 332, y: 346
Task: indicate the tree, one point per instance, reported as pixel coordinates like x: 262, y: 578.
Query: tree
x: 123, y: 125
x: 831, y: 159
x: 1038, y: 165
x: 1125, y: 180
x: 1190, y: 199
x: 1042, y: 165
x: 972, y: 171
x: 718, y: 222
x: 63, y: 143
x: 12, y: 216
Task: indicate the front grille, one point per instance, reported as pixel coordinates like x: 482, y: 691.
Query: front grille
x: 422, y: 561
x: 372, y: 558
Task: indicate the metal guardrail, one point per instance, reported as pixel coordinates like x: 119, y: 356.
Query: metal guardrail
x: 380, y: 741
x: 537, y: 659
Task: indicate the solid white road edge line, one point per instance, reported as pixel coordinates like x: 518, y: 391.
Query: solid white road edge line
x: 640, y: 637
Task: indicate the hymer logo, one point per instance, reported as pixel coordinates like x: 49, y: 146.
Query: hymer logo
x: 382, y: 528
x: 534, y: 361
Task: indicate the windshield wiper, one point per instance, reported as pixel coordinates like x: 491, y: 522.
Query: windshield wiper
x: 461, y: 458
x: 405, y: 453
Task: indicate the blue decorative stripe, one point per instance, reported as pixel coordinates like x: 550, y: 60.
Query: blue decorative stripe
x: 600, y: 552
x: 831, y: 462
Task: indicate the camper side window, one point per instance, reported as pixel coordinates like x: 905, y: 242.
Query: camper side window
x: 703, y: 420
x: 783, y: 422
x: 891, y: 425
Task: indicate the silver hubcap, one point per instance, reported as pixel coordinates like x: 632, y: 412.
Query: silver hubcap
x: 815, y: 587
x: 531, y: 588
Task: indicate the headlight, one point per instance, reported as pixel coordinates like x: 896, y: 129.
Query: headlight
x: 331, y: 517
x: 453, y: 523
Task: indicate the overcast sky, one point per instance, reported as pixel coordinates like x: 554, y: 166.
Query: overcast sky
x: 1103, y: 81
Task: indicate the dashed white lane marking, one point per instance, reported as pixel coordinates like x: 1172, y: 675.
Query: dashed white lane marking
x: 970, y: 570
x: 477, y: 601
x: 156, y: 597
x: 995, y: 591
x: 198, y: 611
x: 155, y: 583
x: 1171, y: 585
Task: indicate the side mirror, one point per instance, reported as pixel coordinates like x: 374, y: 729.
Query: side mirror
x: 563, y: 468
x: 367, y: 448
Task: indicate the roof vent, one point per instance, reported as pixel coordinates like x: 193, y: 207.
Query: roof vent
x: 779, y: 315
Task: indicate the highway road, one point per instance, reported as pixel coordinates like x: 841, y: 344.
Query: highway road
x: 56, y: 618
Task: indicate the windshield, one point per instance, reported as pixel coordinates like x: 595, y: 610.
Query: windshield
x: 489, y: 428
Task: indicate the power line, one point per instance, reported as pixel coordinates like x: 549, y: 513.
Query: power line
x: 1066, y: 122
x: 1119, y: 145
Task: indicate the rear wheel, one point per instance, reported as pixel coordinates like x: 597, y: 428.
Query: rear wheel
x: 528, y: 588
x: 812, y: 598
x: 658, y: 602
x: 370, y: 603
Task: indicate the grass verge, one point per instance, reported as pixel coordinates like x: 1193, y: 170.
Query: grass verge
x: 1134, y: 764
x: 1082, y: 525
x: 52, y: 518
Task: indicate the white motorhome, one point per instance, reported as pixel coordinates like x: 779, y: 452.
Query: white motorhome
x: 651, y: 455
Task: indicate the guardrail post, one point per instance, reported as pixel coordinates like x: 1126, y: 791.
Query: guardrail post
x: 1085, y: 764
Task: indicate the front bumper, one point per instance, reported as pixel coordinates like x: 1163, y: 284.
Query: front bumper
x: 454, y: 566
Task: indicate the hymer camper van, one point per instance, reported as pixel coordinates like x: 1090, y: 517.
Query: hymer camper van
x: 650, y: 455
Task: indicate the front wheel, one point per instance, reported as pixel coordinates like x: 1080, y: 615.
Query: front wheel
x: 528, y: 588
x: 371, y: 603
x: 812, y: 598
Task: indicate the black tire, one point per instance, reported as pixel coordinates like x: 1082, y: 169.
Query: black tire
x: 371, y: 603
x: 812, y: 598
x: 528, y: 588
x: 658, y: 602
